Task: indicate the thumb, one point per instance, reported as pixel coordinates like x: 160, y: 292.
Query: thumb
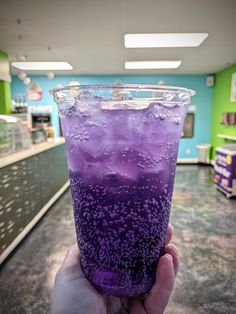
x: 72, y: 261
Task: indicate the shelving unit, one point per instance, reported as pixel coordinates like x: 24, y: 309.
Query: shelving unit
x: 227, y: 137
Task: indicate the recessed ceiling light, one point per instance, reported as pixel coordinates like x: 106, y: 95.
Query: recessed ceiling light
x: 162, y: 40
x: 173, y: 64
x: 42, y: 65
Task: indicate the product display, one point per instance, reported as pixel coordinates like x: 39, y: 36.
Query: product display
x: 14, y: 136
x: 225, y: 169
x: 121, y: 150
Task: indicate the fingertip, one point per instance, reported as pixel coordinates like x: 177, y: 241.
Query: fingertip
x: 171, y: 228
x: 164, y: 265
x: 170, y: 233
x: 72, y: 258
x: 165, y: 274
x: 171, y: 249
x: 73, y: 249
x: 169, y: 257
x: 163, y: 286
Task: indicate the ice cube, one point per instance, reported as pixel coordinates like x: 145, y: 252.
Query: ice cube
x: 96, y: 173
x: 91, y: 154
x: 116, y: 178
x: 87, y: 96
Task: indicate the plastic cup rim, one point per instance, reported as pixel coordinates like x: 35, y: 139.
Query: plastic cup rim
x: 128, y: 87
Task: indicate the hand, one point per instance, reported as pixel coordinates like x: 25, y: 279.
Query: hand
x: 158, y: 297
x: 74, y: 294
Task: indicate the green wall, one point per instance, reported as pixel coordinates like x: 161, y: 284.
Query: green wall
x: 221, y: 103
x: 5, y: 91
x: 5, y: 97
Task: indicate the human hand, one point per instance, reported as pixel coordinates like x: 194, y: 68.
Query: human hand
x: 158, y: 297
x: 74, y: 294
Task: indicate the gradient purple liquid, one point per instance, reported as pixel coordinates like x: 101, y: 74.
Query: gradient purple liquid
x: 121, y: 166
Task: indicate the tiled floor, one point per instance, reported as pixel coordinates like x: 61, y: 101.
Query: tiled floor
x: 205, y: 233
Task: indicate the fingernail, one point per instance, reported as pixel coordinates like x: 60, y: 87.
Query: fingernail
x: 170, y: 257
x: 70, y: 251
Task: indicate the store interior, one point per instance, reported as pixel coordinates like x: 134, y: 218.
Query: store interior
x: 36, y: 211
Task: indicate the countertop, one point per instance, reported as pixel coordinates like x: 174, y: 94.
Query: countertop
x: 35, y: 149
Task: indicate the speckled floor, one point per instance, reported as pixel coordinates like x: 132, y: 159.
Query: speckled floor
x: 205, y: 233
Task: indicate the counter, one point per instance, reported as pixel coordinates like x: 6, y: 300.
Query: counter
x: 35, y: 149
x: 30, y: 182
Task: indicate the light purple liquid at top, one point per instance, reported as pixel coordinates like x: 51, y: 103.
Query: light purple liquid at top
x: 122, y: 167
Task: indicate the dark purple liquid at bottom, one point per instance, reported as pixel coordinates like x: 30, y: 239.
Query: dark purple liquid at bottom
x: 121, y: 227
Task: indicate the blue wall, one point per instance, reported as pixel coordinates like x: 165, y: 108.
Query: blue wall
x: 202, y: 99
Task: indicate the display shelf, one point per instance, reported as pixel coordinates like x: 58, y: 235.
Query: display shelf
x: 227, y: 137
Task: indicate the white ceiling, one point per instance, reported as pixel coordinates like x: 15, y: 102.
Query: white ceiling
x: 90, y: 34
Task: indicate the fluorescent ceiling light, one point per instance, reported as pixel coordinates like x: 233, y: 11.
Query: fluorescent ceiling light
x: 42, y: 65
x: 173, y: 64
x: 161, y: 40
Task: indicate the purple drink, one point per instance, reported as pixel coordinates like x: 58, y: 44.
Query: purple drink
x: 121, y: 153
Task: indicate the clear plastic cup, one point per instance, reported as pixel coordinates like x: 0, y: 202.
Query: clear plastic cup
x: 122, y: 144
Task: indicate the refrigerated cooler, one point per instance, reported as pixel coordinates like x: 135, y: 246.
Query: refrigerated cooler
x: 225, y: 169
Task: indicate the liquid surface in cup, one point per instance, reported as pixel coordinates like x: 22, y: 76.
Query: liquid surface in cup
x: 121, y: 160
